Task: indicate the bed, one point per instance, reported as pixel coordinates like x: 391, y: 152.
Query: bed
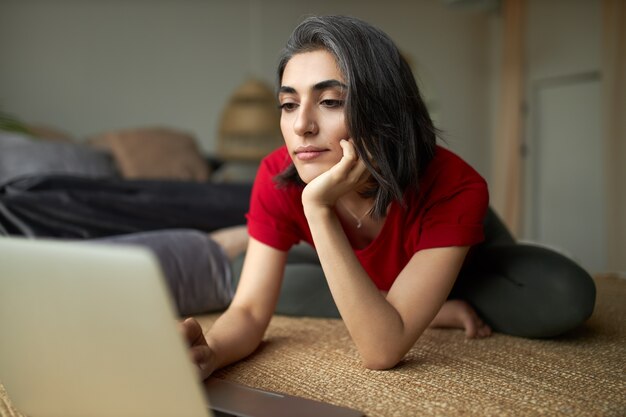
x: 114, y: 183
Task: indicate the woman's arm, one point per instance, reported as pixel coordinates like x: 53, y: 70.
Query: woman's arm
x: 238, y: 332
x: 383, y: 327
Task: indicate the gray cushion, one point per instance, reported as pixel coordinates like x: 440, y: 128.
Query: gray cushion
x: 196, y: 269
x: 21, y: 156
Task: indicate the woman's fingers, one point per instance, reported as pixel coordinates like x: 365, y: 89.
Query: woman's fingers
x: 359, y: 173
x: 199, y: 351
x: 192, y: 332
x: 348, y: 160
x: 202, y: 356
x: 351, y: 166
x: 349, y: 151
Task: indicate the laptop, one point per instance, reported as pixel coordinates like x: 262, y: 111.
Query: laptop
x: 89, y: 330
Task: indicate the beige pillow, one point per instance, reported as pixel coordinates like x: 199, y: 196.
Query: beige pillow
x: 155, y: 153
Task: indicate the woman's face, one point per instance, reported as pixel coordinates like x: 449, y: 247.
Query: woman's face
x: 312, y: 96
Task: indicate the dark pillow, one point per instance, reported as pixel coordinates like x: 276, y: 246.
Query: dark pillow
x: 21, y: 156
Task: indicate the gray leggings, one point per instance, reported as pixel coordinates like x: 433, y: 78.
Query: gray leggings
x: 195, y: 268
x: 524, y: 290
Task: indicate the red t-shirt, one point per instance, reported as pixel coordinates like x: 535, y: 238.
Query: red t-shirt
x: 448, y: 210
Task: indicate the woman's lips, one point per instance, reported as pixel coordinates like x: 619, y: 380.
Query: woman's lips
x: 307, y: 153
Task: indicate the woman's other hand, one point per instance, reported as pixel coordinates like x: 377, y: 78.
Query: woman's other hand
x: 199, y: 351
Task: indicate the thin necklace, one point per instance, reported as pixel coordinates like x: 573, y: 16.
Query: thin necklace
x: 359, y: 220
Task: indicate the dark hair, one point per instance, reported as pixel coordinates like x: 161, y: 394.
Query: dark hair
x: 385, y: 113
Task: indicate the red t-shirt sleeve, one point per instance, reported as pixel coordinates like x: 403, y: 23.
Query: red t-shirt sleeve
x: 272, y: 211
x: 456, y: 204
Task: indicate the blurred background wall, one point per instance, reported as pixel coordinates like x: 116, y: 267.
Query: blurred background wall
x: 90, y: 66
x: 93, y: 65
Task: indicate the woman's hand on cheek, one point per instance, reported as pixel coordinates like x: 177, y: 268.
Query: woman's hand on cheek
x: 347, y: 175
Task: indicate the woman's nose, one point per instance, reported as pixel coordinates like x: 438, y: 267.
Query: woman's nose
x: 305, y: 123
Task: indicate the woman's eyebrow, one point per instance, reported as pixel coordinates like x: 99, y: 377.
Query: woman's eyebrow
x: 322, y: 85
x: 286, y: 90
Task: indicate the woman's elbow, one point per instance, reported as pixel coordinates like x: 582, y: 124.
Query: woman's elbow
x: 387, y: 355
x: 381, y: 362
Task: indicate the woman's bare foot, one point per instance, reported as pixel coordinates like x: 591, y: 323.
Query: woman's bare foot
x: 459, y: 314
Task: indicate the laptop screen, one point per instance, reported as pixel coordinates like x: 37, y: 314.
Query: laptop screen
x: 89, y: 330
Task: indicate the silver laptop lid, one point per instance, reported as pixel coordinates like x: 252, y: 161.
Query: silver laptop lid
x: 89, y: 330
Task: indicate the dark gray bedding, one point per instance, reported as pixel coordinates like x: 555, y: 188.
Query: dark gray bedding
x: 69, y: 206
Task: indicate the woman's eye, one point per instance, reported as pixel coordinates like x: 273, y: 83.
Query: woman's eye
x: 288, y: 106
x: 332, y: 103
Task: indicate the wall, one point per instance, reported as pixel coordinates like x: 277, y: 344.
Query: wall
x: 565, y: 200
x: 552, y: 55
x: 95, y: 65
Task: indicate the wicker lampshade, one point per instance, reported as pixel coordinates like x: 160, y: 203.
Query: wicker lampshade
x: 250, y: 124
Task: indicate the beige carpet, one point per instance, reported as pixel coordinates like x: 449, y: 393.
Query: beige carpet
x: 583, y: 373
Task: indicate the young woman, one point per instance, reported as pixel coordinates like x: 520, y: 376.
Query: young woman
x: 395, y: 219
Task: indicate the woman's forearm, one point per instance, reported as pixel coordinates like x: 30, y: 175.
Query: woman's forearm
x: 238, y: 332
x: 374, y: 324
x: 235, y: 335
